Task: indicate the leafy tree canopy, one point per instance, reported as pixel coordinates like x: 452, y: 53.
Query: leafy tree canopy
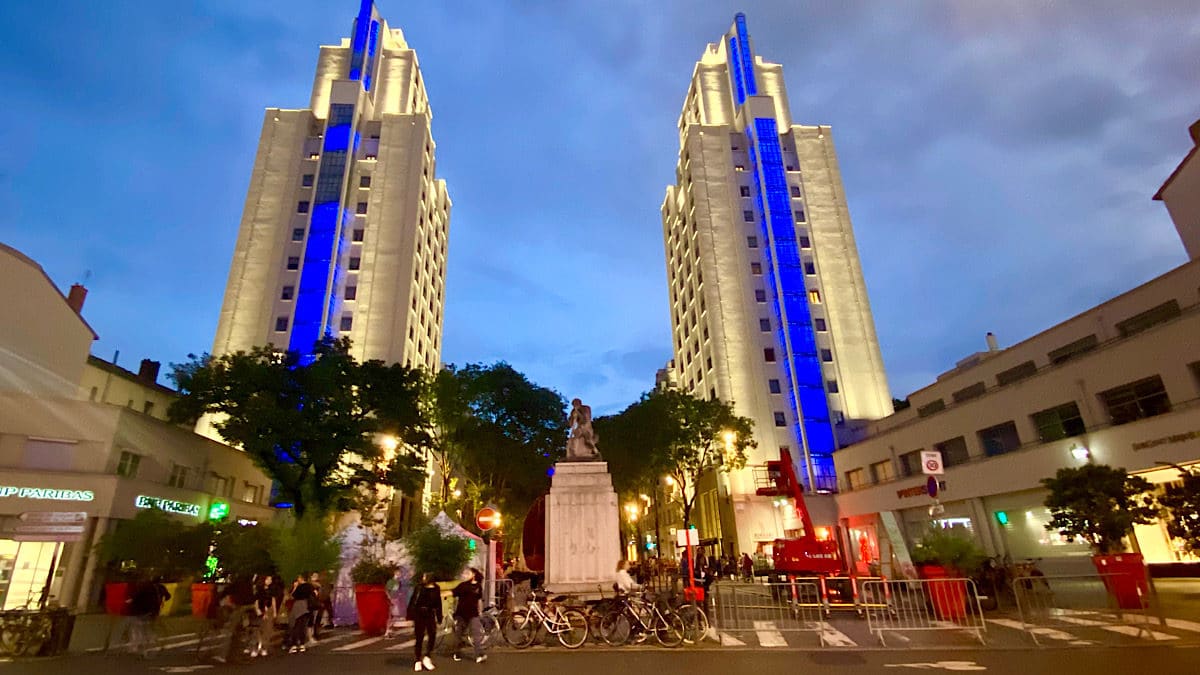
x: 303, y: 545
x: 1182, y: 501
x: 1099, y: 504
x: 312, y: 424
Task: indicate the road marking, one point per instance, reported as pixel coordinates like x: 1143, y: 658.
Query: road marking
x: 356, y: 645
x: 768, y: 634
x: 184, y: 669
x: 1049, y: 633
x: 728, y: 640
x: 1181, y: 624
x: 939, y: 665
x: 834, y: 637
x: 1124, y: 630
x: 402, y: 646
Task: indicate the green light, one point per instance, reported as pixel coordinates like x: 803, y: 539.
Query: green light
x: 211, y: 565
x: 1002, y: 517
x: 218, y: 511
x: 471, y: 544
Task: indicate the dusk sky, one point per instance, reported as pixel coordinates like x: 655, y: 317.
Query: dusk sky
x: 999, y: 160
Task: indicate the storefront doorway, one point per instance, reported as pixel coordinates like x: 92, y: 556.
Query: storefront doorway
x: 27, y: 572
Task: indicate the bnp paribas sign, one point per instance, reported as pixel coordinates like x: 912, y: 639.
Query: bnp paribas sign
x: 53, y: 494
x: 168, y: 505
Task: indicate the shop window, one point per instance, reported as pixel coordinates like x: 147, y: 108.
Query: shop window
x: 882, y: 472
x: 179, y: 476
x: 1062, y: 421
x: 954, y: 451
x: 219, y: 485
x: 856, y: 478
x: 999, y: 439
x: 910, y: 463
x: 128, y: 465
x: 1136, y: 400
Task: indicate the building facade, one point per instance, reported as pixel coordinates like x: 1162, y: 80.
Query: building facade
x: 78, y: 458
x: 344, y: 230
x: 1180, y: 193
x: 769, y: 308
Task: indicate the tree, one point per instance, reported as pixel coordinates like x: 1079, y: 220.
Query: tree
x: 242, y: 549
x: 675, y: 433
x: 1099, y: 504
x: 1182, y: 501
x: 313, y: 425
x: 154, y: 544
x: 439, y: 553
x: 499, y: 434
x: 303, y: 545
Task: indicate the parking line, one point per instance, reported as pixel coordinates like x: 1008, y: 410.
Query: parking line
x: 834, y: 637
x: 768, y: 634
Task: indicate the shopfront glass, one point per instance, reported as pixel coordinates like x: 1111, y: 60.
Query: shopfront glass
x: 26, y: 569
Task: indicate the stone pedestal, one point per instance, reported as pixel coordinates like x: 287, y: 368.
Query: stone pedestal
x: 582, y: 529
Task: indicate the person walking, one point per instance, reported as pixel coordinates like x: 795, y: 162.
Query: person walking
x: 323, y: 608
x: 268, y: 608
x: 469, y: 594
x: 425, y: 610
x: 303, y: 604
x: 144, y: 606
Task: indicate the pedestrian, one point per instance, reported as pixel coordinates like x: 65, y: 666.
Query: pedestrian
x: 267, y: 601
x: 425, y: 610
x: 143, y: 607
x: 239, y: 598
x: 323, y: 611
x: 303, y: 603
x: 469, y: 594
x: 747, y: 567
x: 624, y: 583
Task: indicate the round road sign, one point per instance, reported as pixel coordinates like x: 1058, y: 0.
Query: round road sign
x: 931, y: 486
x: 487, y: 518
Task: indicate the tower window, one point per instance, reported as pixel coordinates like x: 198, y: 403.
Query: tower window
x: 364, y: 181
x: 298, y: 234
x: 360, y: 208
x: 764, y: 325
x: 740, y: 167
x: 769, y: 355
x: 347, y: 322
x: 755, y: 268
x: 795, y: 190
x: 773, y: 386
x: 831, y: 386
x: 351, y: 292
x: 748, y: 216
x: 827, y: 355
x: 358, y: 235
x: 280, y: 324
x: 287, y: 293
x: 293, y: 262
x: 760, y: 295
x: 810, y: 268
x: 805, y: 243
x: 819, y: 324
x: 814, y: 295
x: 799, y: 216
x: 302, y: 207
x: 752, y: 242
x: 306, y: 180
x: 745, y: 190
x: 780, y: 419
x: 354, y: 263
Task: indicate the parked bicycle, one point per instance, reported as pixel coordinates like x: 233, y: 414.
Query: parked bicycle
x: 522, y: 627
x: 23, y: 632
x: 637, y: 617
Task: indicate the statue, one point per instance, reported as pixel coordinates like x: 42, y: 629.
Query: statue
x: 581, y: 446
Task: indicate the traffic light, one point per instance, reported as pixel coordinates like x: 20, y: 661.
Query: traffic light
x: 1002, y: 517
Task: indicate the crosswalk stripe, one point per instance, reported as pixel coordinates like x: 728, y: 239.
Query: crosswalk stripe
x: 1049, y: 633
x: 768, y: 634
x: 834, y: 637
x: 356, y: 645
x: 1181, y: 624
x: 401, y: 647
x: 1124, y: 630
x: 728, y: 640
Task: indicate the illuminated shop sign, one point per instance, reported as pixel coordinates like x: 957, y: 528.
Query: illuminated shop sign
x: 47, y: 493
x: 1176, y: 438
x: 168, y: 505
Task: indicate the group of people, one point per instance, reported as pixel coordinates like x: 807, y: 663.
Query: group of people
x: 425, y: 610
x: 262, y: 602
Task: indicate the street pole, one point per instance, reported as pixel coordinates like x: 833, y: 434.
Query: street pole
x: 489, y: 573
x: 657, y: 526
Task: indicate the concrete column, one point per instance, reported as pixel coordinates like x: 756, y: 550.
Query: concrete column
x: 91, y: 562
x: 72, y: 567
x: 979, y: 514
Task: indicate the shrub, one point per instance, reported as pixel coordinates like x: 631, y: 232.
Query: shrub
x: 371, y: 570
x: 153, y: 544
x: 940, y: 546
x: 434, y: 551
x: 304, y: 545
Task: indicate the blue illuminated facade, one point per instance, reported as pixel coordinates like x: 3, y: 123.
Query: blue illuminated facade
x: 364, y: 44
x: 741, y: 62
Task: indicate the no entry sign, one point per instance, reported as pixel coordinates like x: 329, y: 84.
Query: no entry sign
x: 487, y: 518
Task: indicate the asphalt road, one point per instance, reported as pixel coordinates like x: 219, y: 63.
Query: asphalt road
x: 1159, y: 660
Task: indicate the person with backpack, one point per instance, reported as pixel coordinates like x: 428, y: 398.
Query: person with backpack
x: 425, y: 610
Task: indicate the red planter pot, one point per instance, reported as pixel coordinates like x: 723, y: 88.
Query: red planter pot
x: 948, y: 595
x: 202, y: 597
x: 115, y: 595
x: 373, y: 606
x: 1125, y: 579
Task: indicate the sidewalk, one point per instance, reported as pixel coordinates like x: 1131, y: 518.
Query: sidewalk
x: 1179, y: 598
x: 92, y: 630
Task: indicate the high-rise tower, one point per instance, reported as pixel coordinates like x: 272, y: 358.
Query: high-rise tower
x: 769, y: 309
x: 345, y: 226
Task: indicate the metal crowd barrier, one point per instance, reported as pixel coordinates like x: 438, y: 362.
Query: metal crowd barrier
x: 786, y: 607
x: 1047, y: 603
x: 923, y: 605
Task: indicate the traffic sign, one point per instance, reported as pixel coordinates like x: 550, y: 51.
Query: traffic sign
x: 931, y: 486
x: 686, y: 537
x: 931, y: 463
x: 487, y: 518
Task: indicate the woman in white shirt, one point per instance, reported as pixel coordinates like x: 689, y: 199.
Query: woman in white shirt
x: 624, y: 582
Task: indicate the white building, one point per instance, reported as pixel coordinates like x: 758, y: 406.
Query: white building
x: 344, y: 230
x: 1118, y: 384
x: 769, y: 309
x: 1181, y: 195
x: 84, y: 445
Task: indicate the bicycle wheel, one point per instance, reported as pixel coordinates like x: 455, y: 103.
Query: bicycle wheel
x: 13, y: 638
x: 441, y: 638
x: 668, y: 629
x: 614, y: 629
x: 519, y: 629
x: 575, y: 627
x: 695, y: 623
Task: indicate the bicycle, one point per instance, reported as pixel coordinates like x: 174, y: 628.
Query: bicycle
x: 636, y: 618
x: 523, y: 625
x: 695, y: 622
x: 23, y: 632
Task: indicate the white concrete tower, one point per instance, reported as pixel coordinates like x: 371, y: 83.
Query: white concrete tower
x: 769, y: 309
x: 345, y: 226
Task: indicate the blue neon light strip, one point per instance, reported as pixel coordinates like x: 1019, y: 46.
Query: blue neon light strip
x: 735, y: 70
x: 789, y: 298
x: 747, y: 58
x: 372, y: 43
x: 358, y: 44
x: 317, y: 300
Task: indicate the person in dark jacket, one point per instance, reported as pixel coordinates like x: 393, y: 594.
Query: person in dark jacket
x: 425, y: 610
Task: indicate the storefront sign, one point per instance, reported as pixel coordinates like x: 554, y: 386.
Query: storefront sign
x: 168, y: 505
x: 47, y: 493
x: 919, y: 490
x: 54, y: 517
x: 1176, y: 438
